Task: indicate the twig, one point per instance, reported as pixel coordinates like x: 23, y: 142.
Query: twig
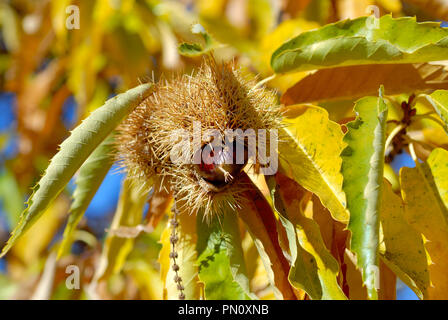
x: 173, y: 254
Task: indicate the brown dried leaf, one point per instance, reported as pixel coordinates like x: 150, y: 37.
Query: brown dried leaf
x: 388, y: 283
x: 358, y: 81
x: 159, y: 204
x: 261, y: 224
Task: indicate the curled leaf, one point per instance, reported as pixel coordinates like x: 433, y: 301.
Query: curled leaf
x: 354, y: 82
x: 362, y: 168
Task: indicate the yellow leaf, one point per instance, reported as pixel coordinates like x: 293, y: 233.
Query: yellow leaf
x: 226, y: 33
x: 250, y: 255
x: 438, y: 162
x: 262, y: 15
x: 128, y: 214
x: 402, y: 249
x: 270, y: 42
x: 31, y: 244
x: 58, y: 18
x: 100, y: 95
x: 436, y: 136
x: 310, y: 238
x: 390, y: 175
x: 146, y: 278
x: 393, y: 6
x: 282, y: 33
x: 425, y: 192
x: 9, y: 30
x: 254, y: 266
x: 211, y: 8
x: 164, y: 259
x: 310, y: 154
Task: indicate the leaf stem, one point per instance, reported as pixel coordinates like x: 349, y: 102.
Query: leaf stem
x: 413, y: 154
x: 424, y: 144
x: 392, y: 135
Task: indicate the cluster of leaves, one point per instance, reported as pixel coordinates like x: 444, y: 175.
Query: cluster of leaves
x: 335, y: 222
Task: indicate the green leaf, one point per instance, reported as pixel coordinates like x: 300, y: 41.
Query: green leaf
x: 362, y: 168
x: 314, y: 269
x: 191, y: 49
x: 439, y: 100
x: 310, y: 154
x: 90, y: 176
x: 73, y: 152
x: 221, y: 259
x: 197, y: 49
x: 356, y: 42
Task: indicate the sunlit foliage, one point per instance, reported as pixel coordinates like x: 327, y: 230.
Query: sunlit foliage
x: 343, y: 218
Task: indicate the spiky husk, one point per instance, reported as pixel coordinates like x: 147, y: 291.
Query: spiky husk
x: 220, y: 98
